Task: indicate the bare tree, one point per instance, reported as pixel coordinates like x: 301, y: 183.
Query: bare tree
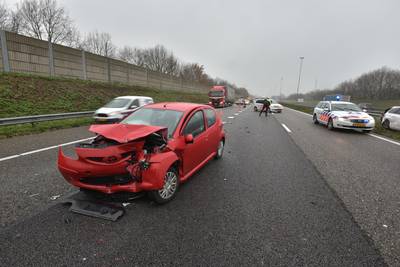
x: 195, y: 72
x: 46, y: 20
x: 157, y: 59
x: 30, y: 11
x: 99, y: 43
x: 15, y: 23
x: 130, y: 55
x: 3, y: 16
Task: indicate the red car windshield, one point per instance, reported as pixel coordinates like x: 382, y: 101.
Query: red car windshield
x: 155, y: 117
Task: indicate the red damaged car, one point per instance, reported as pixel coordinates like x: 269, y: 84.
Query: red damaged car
x: 154, y: 149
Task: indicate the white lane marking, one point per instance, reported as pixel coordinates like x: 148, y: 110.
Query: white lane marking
x: 43, y: 149
x: 10, y: 157
x: 385, y: 139
x: 286, y: 128
x: 231, y: 117
x: 223, y: 122
x: 301, y: 112
x: 373, y: 135
x: 236, y: 114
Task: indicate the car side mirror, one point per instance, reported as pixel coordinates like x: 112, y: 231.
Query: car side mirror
x: 189, y: 139
x: 133, y: 107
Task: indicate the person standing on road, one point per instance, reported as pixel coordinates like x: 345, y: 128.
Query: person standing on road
x: 265, y: 107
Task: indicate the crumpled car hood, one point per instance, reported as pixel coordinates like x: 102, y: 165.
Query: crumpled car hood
x: 124, y: 133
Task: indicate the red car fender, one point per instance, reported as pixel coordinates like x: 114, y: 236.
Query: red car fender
x: 153, y: 178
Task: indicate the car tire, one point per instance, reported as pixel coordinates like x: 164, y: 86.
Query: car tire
x: 315, y: 120
x: 220, y: 149
x: 170, y: 187
x: 330, y: 124
x: 386, y: 124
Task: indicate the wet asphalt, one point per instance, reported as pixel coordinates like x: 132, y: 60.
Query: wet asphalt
x: 264, y: 203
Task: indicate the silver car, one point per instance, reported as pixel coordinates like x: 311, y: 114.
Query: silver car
x: 391, y: 119
x: 120, y: 107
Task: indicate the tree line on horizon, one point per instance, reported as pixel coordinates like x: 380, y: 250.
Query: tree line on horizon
x: 49, y: 21
x: 379, y: 84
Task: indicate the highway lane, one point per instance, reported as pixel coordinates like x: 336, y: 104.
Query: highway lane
x: 364, y: 171
x: 264, y: 203
x: 29, y: 182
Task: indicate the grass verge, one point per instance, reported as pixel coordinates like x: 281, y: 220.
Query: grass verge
x: 378, y: 126
x: 39, y: 127
x: 25, y: 94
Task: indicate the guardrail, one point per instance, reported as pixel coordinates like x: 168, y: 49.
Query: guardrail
x: 46, y: 117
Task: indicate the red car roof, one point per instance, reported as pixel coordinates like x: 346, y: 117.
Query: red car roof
x: 179, y: 106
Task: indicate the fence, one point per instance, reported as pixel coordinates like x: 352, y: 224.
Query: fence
x: 29, y: 55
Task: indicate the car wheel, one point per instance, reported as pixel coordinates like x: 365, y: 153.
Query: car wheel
x: 220, y: 150
x: 386, y: 124
x: 330, y: 125
x: 315, y: 120
x: 170, y: 187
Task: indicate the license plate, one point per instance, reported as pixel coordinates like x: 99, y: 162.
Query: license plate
x: 359, y: 124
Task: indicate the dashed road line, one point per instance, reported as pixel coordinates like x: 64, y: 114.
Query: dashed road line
x: 43, y: 149
x: 286, y: 128
x: 231, y: 117
x: 236, y: 114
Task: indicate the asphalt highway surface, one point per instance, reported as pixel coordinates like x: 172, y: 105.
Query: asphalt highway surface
x: 286, y: 193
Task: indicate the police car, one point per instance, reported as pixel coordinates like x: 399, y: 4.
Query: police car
x: 344, y: 115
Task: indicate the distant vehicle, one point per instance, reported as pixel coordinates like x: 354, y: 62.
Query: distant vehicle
x: 344, y: 115
x: 240, y: 101
x: 275, y: 107
x: 391, y: 119
x: 221, y: 96
x: 120, y: 107
x: 258, y: 104
x: 153, y: 150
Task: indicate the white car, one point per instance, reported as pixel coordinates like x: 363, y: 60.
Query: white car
x: 274, y: 107
x: 258, y: 104
x: 391, y: 119
x: 344, y: 115
x: 120, y: 107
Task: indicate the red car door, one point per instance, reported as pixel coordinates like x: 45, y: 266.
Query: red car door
x: 197, y: 152
x: 213, y: 130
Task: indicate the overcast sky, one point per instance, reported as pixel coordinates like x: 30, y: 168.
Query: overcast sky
x: 254, y: 43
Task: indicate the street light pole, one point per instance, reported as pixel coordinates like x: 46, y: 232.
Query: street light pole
x: 280, y: 90
x: 298, y: 83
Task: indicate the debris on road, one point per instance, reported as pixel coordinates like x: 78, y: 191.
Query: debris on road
x: 385, y: 226
x: 34, y: 195
x: 126, y: 204
x: 55, y: 197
